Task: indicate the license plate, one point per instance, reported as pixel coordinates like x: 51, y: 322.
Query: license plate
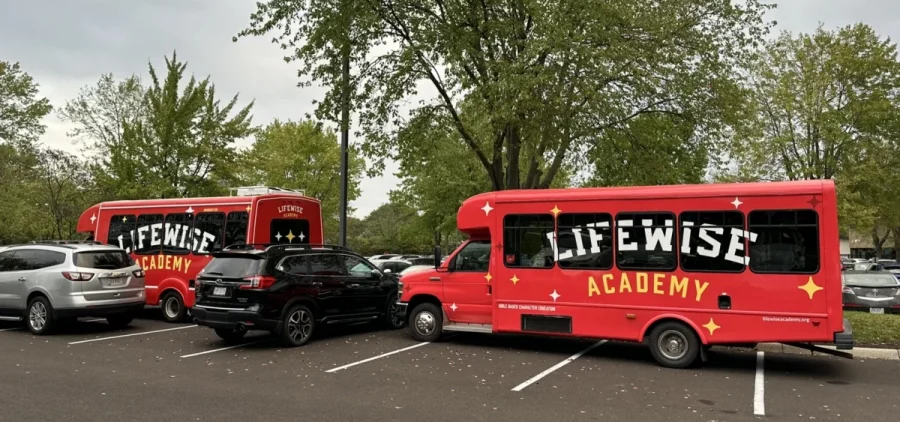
x: 219, y: 291
x: 876, y: 310
x: 114, y: 282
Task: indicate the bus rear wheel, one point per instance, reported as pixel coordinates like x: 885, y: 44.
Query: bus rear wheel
x: 674, y: 345
x: 426, y: 322
x: 172, y: 307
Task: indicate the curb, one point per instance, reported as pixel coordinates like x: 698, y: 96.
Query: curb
x: 857, y: 352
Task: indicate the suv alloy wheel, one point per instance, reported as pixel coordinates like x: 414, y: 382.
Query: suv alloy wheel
x: 298, y: 326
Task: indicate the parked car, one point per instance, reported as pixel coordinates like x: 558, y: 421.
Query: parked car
x: 866, y: 266
x: 289, y: 290
x: 382, y: 257
x: 875, y: 291
x: 47, y: 283
x: 893, y: 269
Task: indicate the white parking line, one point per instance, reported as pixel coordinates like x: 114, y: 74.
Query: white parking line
x: 131, y: 335
x: 225, y: 348
x: 537, y: 377
x: 759, y: 404
x: 376, y: 357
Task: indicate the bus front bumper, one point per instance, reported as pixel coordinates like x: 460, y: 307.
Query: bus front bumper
x: 844, y: 339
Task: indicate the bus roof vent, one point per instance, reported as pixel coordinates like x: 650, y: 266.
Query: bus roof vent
x: 262, y: 190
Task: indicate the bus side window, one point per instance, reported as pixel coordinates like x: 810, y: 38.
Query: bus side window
x: 149, y: 234
x: 527, y: 240
x: 236, y: 228
x: 177, y: 234
x: 120, y: 232
x: 594, y: 250
x: 706, y: 241
x: 209, y: 232
x: 646, y: 241
x: 787, y: 241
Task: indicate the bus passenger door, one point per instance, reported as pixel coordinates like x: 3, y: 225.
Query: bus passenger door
x: 467, y: 290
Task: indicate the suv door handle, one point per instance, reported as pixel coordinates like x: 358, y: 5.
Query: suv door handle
x: 354, y: 284
x: 22, y: 279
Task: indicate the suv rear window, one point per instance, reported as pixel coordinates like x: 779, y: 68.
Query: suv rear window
x: 104, y: 260
x: 238, y: 267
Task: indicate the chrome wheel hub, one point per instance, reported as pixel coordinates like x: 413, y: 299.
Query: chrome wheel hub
x: 425, y: 323
x: 673, y: 345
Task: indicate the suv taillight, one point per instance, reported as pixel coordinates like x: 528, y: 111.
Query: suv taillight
x: 258, y: 282
x: 77, y: 276
x: 138, y: 273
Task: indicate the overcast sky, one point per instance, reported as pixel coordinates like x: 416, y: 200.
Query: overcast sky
x: 67, y: 44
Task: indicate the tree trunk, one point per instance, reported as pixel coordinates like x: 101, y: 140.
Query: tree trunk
x: 878, y: 242
x: 896, y: 234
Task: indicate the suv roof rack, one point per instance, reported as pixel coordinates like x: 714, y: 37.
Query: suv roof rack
x: 66, y: 242
x: 282, y: 246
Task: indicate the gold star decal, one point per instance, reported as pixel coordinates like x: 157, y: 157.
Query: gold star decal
x: 556, y: 211
x: 810, y: 287
x: 711, y: 326
x: 488, y: 277
x: 290, y: 236
x: 248, y: 208
x: 514, y: 279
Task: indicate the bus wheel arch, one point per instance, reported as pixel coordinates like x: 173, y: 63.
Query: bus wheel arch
x: 674, y: 342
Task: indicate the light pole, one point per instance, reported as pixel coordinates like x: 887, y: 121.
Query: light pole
x: 345, y: 132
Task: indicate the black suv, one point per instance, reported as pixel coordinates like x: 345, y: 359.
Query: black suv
x: 290, y: 289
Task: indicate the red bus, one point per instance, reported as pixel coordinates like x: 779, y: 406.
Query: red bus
x: 172, y: 239
x: 680, y: 268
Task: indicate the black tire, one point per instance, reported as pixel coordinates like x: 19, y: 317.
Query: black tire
x: 231, y: 336
x: 120, y: 320
x: 39, y: 316
x: 674, y: 345
x: 297, y: 326
x: 392, y: 319
x: 426, y: 322
x: 172, y: 306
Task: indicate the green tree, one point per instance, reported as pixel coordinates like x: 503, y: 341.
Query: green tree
x: 547, y: 78
x: 63, y: 187
x: 21, y: 114
x: 301, y: 155
x: 817, y: 99
x: 179, y: 145
x: 393, y: 227
x: 21, y: 108
x: 100, y: 112
x: 824, y: 106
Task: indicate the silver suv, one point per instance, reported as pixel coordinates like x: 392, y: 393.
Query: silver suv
x: 46, y: 284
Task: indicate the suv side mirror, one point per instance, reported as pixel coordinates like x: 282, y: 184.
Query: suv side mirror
x: 375, y: 275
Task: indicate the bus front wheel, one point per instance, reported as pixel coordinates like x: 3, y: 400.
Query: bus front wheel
x: 426, y: 322
x: 674, y: 345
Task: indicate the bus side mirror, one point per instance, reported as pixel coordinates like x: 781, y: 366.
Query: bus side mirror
x: 437, y: 256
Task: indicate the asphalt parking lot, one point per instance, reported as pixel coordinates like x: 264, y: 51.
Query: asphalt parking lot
x: 155, y: 371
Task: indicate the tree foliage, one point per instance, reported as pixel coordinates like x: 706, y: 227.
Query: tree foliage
x: 100, y: 112
x: 176, y: 142
x: 824, y: 106
x: 548, y: 78
x: 301, y: 155
x: 21, y: 108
